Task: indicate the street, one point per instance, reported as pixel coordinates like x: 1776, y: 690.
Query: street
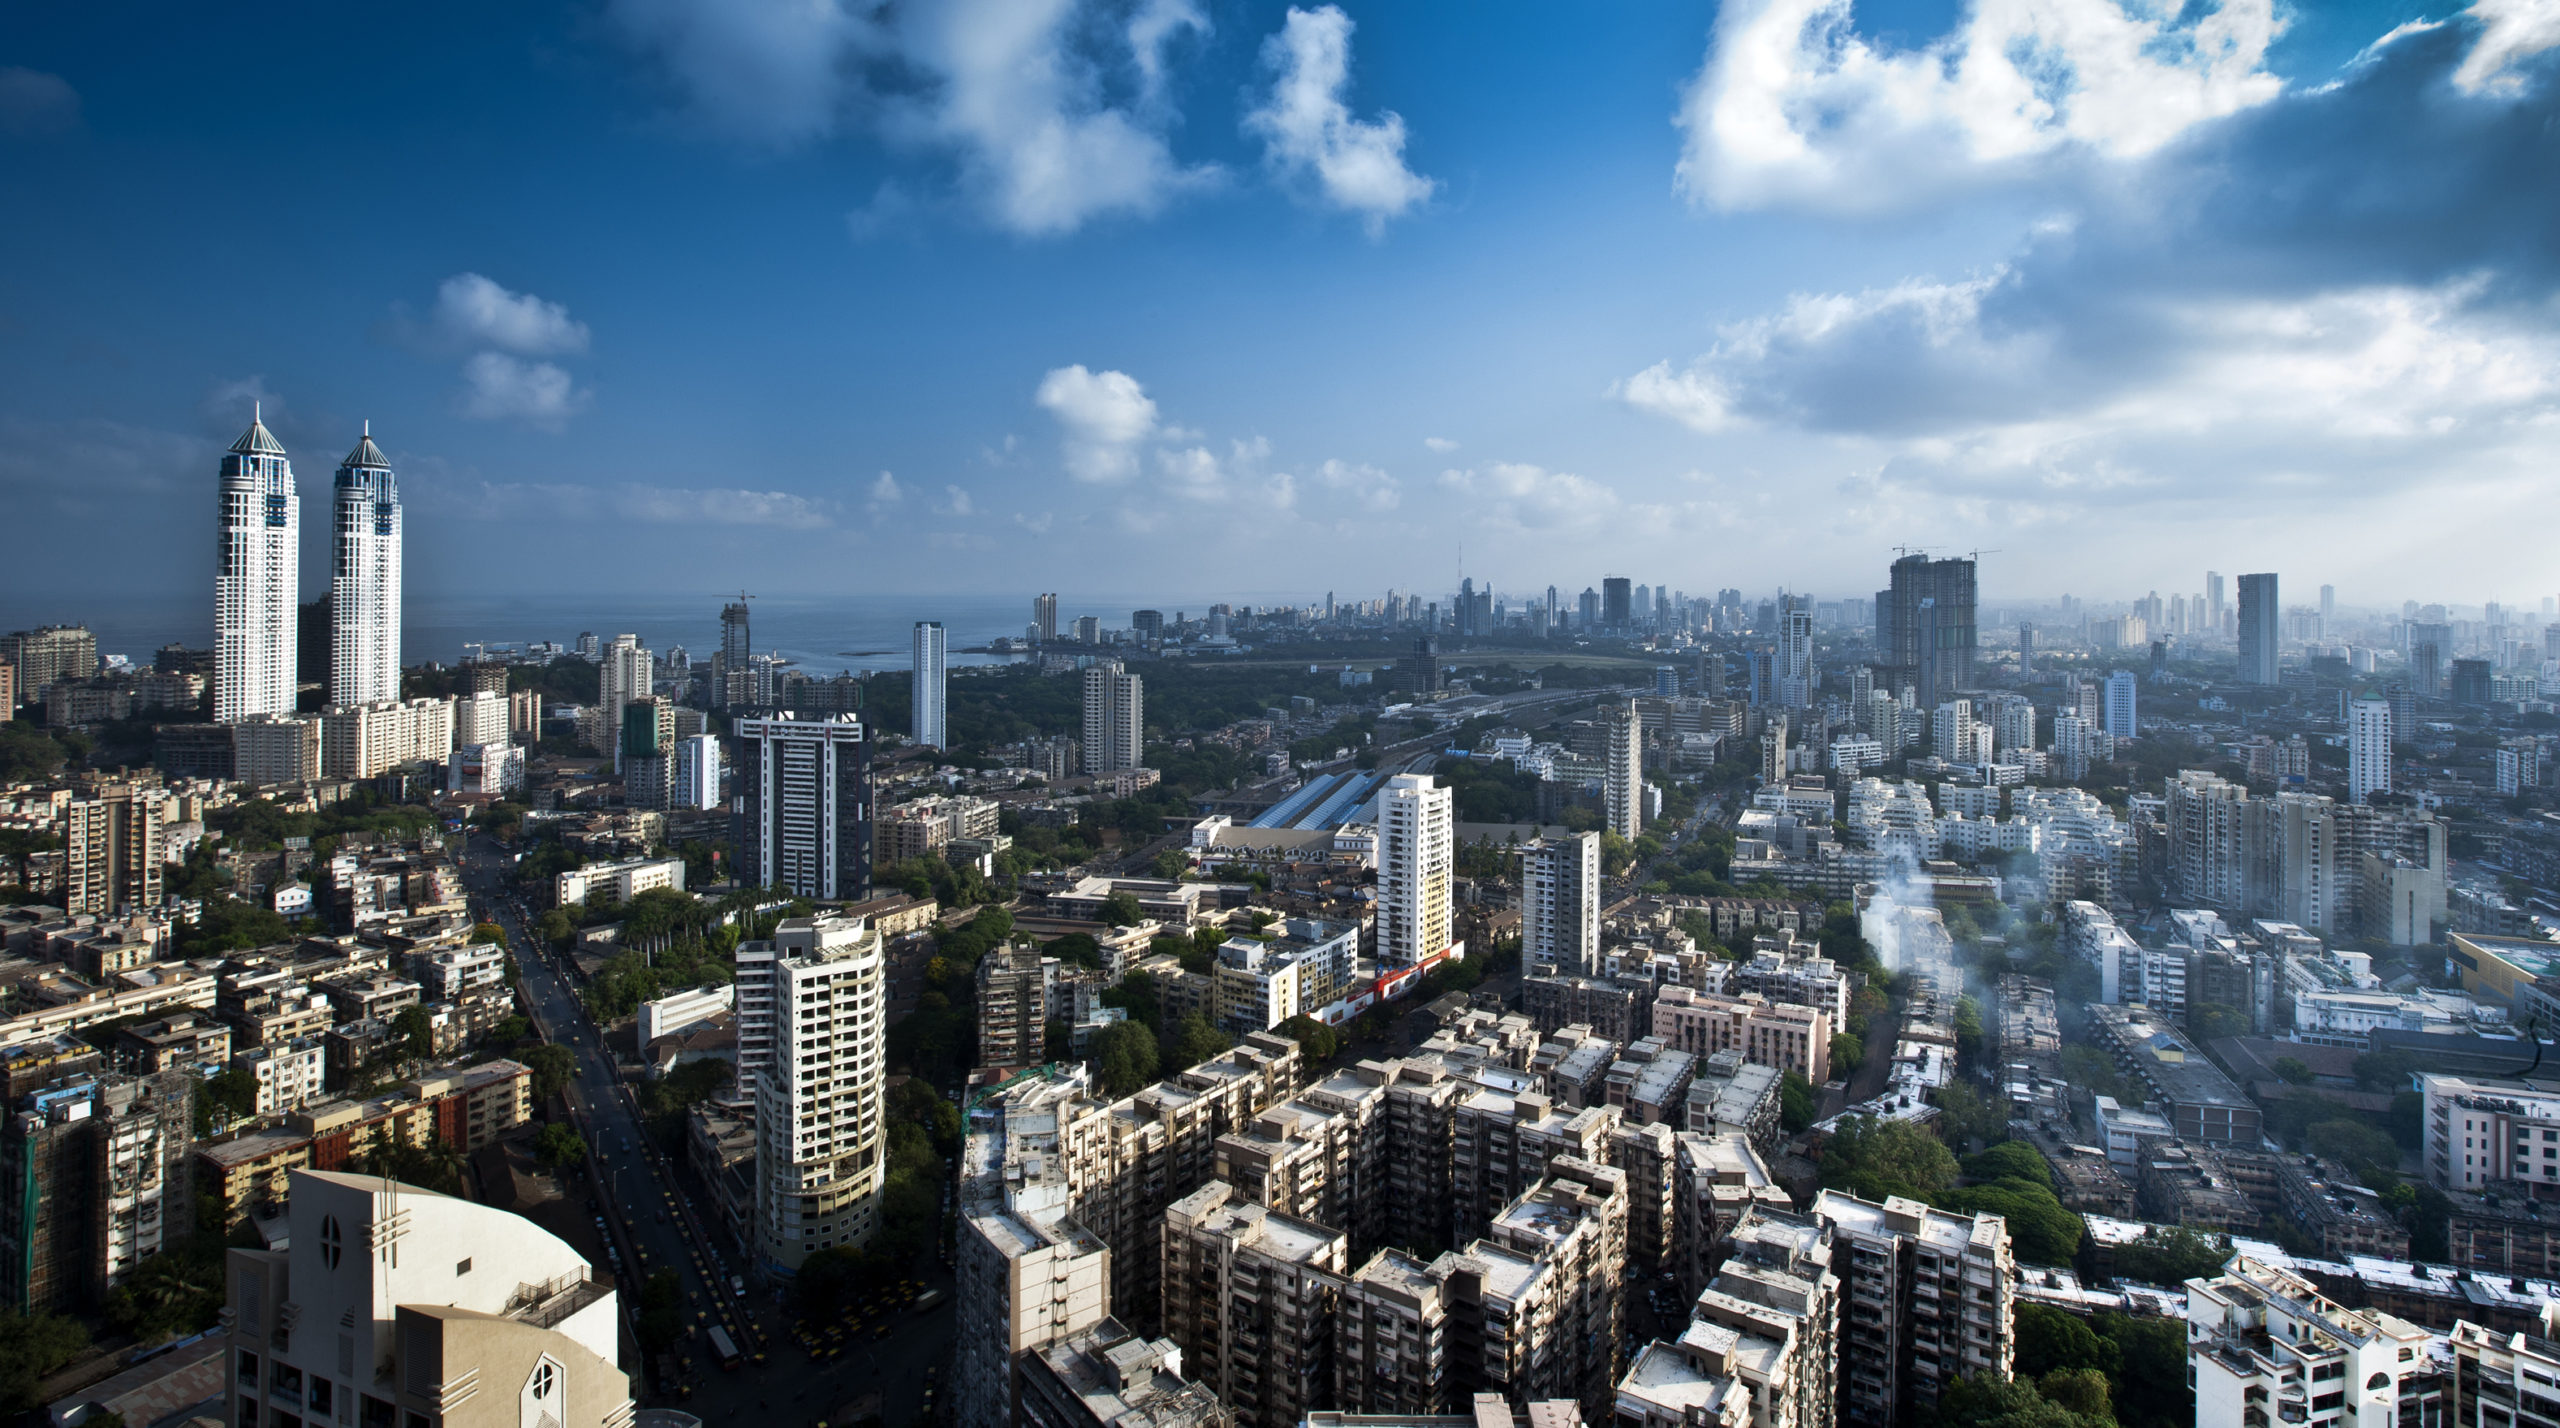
x: 648, y: 1203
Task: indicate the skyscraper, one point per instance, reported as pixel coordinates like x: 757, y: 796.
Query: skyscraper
x: 2026, y: 651
x: 1616, y: 595
x: 1044, y: 617
x: 811, y: 1022
x: 364, y: 579
x: 112, y: 851
x: 2368, y: 749
x: 1924, y: 627
x: 1560, y: 906
x: 2120, y: 721
x: 623, y: 678
x: 1622, y: 766
x: 2213, y: 598
x: 2328, y: 606
x: 2258, y: 629
x: 1115, y: 718
x: 1417, y: 852
x: 927, y: 699
x: 1795, y: 658
x: 731, y: 684
x: 257, y: 580
x: 803, y: 805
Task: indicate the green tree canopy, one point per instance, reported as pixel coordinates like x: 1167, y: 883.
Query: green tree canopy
x: 1124, y: 1057
x: 1873, y: 1158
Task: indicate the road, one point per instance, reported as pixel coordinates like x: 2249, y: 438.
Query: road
x: 649, y: 1205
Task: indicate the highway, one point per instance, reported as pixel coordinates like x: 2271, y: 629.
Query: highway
x: 650, y: 1207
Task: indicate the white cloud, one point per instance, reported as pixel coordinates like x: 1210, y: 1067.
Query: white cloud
x: 886, y: 493
x: 1053, y: 109
x: 497, y: 386
x: 1440, y: 444
x: 1794, y: 108
x: 1691, y: 398
x: 472, y: 311
x: 2511, y: 32
x: 33, y: 102
x: 1366, y: 486
x: 1518, y: 496
x: 1308, y: 130
x: 652, y: 505
x: 955, y: 502
x: 1106, y: 416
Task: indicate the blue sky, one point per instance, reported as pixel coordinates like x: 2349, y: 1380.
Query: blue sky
x: 1179, y: 297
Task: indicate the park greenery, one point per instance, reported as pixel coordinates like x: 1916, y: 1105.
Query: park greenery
x: 1873, y: 1158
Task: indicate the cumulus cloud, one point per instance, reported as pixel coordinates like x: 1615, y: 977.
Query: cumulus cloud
x: 499, y: 387
x: 1440, y: 444
x: 954, y: 502
x: 653, y: 505
x: 1793, y: 107
x: 1367, y: 487
x: 1053, y: 110
x: 34, y: 103
x: 2512, y: 31
x: 1522, y: 497
x: 1308, y: 130
x: 472, y: 311
x: 886, y: 493
x: 1105, y: 415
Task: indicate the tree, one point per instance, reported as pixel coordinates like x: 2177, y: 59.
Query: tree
x: 1985, y: 1402
x: 552, y: 1065
x: 558, y: 1146
x: 2358, y: 1145
x: 2151, y: 1378
x: 2170, y: 1257
x: 2050, y: 1341
x: 488, y: 934
x: 229, y: 1095
x: 1965, y: 1114
x: 1195, y: 1041
x: 2010, y: 1160
x: 2386, y: 1070
x: 2084, y: 1391
x: 661, y: 1321
x: 1318, y: 1041
x: 1171, y: 864
x: 2293, y: 1070
x: 556, y: 929
x: 1796, y: 1104
x: 1121, y: 909
x: 417, y: 1030
x: 2042, y: 1230
x: 34, y: 1347
x: 1847, y: 1052
x: 1873, y: 1158
x: 1124, y: 1057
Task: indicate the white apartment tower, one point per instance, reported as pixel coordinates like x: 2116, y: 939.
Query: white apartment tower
x: 625, y: 677
x: 2120, y: 706
x: 1622, y: 762
x: 257, y: 580
x: 812, y: 1013
x: 1115, y: 718
x: 364, y: 580
x: 926, y: 703
x: 1417, y: 860
x: 1560, y: 906
x: 2368, y: 749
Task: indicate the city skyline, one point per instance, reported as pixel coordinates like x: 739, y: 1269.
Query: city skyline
x: 1747, y: 349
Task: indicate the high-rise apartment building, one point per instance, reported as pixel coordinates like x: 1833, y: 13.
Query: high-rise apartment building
x: 1250, y: 1294
x: 1417, y: 862
x: 1115, y: 718
x: 2263, y: 1342
x: 1924, y: 628
x: 1044, y: 618
x: 802, y: 801
x: 2213, y: 598
x: 257, y: 580
x: 112, y: 852
x: 1560, y: 906
x: 2119, y: 708
x: 1616, y: 601
x: 276, y: 748
x: 731, y: 681
x: 1926, y: 1297
x: 812, y: 1014
x: 2208, y: 847
x: 2260, y: 629
x: 696, y: 782
x: 365, y: 740
x: 1795, y: 658
x: 2368, y: 749
x: 623, y: 677
x: 40, y: 657
x: 1763, y: 1339
x: 364, y: 579
x: 1622, y: 768
x: 97, y: 1174
x: 392, y: 1305
x: 925, y: 703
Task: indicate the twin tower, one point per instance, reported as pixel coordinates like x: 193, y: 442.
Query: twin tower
x: 257, y: 580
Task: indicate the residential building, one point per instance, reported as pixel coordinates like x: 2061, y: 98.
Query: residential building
x: 1014, y: 989
x: 1622, y: 768
x: 1925, y: 628
x: 1115, y: 718
x: 1292, y: 968
x: 1560, y: 906
x: 624, y: 673
x: 2264, y: 1343
x: 696, y: 778
x: 1731, y: 1096
x: 483, y: 717
x: 257, y: 586
x: 486, y: 1320
x: 1106, y: 1377
x: 289, y: 1073
x: 1783, y: 1035
x: 2368, y: 749
x: 619, y: 881
x: 271, y: 749
x: 41, y: 657
x: 802, y: 801
x: 2259, y: 629
x: 360, y: 741
x: 492, y: 770
x: 94, y: 1179
x: 2119, y: 719
x: 1416, y: 870
x: 112, y: 851
x: 2482, y: 1131
x: 1044, y: 619
x: 1250, y: 1295
x: 364, y: 579
x: 1926, y: 1297
x: 2201, y: 1103
x: 926, y: 722
x: 812, y: 1012
x: 1762, y: 1343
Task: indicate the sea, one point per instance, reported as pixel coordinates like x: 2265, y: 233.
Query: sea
x: 820, y: 635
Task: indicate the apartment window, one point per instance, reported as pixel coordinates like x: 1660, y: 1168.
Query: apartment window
x: 248, y: 1369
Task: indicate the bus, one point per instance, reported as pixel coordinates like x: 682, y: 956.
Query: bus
x: 722, y: 1349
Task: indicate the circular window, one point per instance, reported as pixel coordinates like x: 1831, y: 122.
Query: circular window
x: 544, y: 1376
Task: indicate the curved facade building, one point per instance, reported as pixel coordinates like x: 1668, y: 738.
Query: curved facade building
x: 364, y: 579
x: 256, y: 583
